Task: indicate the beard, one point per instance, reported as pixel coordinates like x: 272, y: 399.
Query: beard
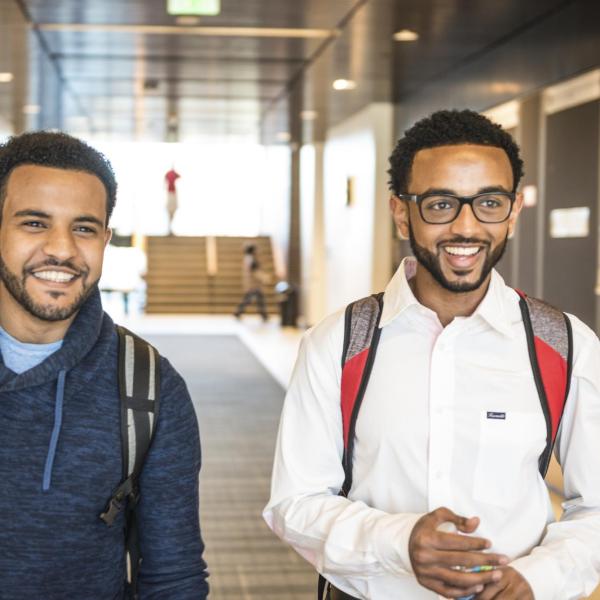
x: 431, y: 262
x: 46, y: 312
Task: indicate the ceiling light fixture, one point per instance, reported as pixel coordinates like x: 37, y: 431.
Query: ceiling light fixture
x: 308, y: 115
x: 406, y: 35
x: 194, y: 7
x: 31, y: 109
x: 6, y: 77
x: 249, y: 32
x: 283, y: 136
x: 344, y: 84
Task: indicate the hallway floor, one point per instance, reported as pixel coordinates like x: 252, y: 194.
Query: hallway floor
x: 238, y: 403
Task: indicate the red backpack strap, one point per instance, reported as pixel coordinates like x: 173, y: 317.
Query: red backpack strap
x: 550, y: 345
x: 361, y: 336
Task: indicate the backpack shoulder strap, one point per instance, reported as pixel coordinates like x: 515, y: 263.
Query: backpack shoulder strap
x: 361, y: 337
x: 139, y: 393
x: 139, y: 385
x: 550, y: 345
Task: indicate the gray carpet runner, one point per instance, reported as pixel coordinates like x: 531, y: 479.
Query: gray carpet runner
x: 238, y: 405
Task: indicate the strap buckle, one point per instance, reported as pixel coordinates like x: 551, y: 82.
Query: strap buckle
x: 112, y: 510
x: 127, y: 491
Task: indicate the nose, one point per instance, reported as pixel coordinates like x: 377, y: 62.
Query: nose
x: 60, y: 244
x: 466, y: 222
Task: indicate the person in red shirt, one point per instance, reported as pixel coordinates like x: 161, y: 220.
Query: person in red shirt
x: 171, y: 177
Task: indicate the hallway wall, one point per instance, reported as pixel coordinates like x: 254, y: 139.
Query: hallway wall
x: 357, y: 221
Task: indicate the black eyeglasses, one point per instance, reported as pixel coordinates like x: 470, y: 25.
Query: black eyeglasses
x: 439, y: 209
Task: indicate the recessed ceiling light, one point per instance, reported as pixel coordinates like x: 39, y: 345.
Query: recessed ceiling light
x: 344, y: 84
x: 406, y: 35
x: 6, y: 77
x: 283, y: 136
x: 31, y: 109
x: 309, y: 115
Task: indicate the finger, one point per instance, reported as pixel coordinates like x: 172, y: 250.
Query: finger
x: 454, y: 541
x: 491, y: 591
x: 467, y: 524
x: 469, y: 559
x: 463, y: 580
x: 448, y: 591
x: 464, y: 524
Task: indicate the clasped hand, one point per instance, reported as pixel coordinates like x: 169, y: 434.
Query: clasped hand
x: 441, y: 559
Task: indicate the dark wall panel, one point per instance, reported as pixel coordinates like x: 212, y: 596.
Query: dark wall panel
x: 564, y: 44
x: 527, y: 228
x: 571, y: 181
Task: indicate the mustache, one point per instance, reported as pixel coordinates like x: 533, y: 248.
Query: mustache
x: 459, y: 239
x: 54, y: 262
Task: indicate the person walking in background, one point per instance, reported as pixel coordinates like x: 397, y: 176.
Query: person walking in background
x: 426, y: 480
x: 171, y: 178
x: 253, y: 278
x: 79, y: 399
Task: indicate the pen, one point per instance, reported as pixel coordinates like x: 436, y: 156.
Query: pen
x: 478, y: 569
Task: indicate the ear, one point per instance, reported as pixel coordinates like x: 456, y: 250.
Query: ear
x: 400, y: 215
x: 107, y: 236
x: 516, y: 209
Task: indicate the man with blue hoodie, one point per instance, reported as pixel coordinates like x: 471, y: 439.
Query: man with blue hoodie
x: 60, y: 441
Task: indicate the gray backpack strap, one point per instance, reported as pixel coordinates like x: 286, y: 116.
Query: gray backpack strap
x: 550, y: 345
x: 139, y: 392
x: 361, y: 337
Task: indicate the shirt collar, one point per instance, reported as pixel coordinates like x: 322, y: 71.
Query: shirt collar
x: 398, y: 297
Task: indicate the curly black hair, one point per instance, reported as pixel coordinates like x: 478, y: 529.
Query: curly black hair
x: 446, y: 128
x: 60, y: 151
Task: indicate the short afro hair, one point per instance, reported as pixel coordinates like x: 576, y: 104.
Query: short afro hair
x: 60, y: 151
x: 447, y: 128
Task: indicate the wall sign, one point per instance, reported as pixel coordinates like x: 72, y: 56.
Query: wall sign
x: 570, y: 222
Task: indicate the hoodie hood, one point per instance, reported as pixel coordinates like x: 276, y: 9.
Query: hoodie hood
x: 79, y: 340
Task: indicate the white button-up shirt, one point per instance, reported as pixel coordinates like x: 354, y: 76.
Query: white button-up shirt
x: 424, y: 440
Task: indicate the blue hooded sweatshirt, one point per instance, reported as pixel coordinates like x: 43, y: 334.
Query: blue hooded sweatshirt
x: 60, y: 460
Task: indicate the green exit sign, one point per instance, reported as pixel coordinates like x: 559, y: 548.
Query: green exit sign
x: 193, y: 7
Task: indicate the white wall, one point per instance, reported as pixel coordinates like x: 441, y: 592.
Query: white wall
x: 312, y: 232
x: 275, y: 203
x: 357, y: 237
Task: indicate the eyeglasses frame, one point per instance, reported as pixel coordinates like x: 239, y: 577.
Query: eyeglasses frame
x: 418, y: 200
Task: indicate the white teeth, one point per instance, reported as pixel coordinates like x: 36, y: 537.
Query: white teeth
x: 461, y: 251
x: 55, y: 276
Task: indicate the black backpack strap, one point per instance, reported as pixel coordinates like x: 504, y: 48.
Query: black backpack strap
x: 139, y: 387
x: 550, y: 344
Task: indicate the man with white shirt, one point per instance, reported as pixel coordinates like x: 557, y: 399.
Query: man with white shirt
x: 440, y: 485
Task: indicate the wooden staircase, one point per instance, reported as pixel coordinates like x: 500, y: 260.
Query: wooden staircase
x: 200, y: 275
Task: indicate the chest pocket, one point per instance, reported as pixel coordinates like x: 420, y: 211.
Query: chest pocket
x: 509, y: 447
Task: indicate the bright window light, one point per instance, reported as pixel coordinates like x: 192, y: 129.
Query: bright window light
x: 193, y: 7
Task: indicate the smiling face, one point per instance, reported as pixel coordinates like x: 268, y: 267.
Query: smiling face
x: 459, y: 255
x: 52, y: 239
